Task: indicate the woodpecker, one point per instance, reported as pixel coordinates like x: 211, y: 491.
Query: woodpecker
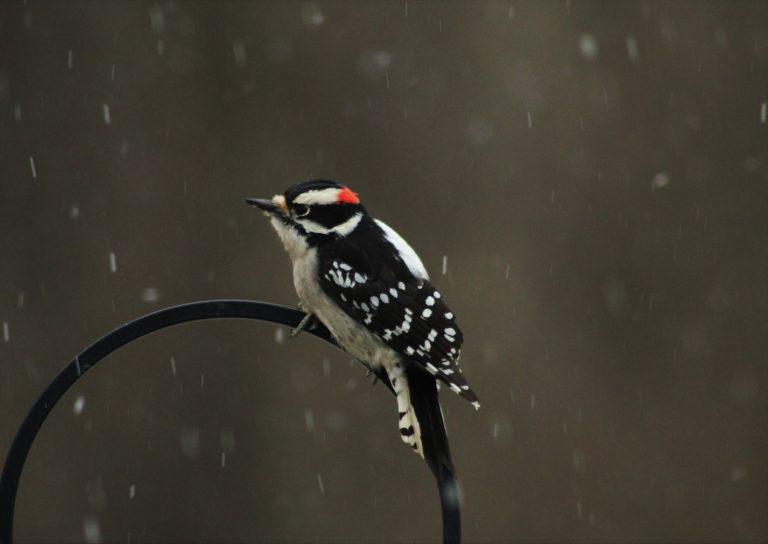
x: 362, y: 280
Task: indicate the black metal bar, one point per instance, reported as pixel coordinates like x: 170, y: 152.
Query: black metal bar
x: 450, y: 501
x: 90, y: 356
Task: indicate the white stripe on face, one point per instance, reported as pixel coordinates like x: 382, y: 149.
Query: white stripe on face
x: 342, y: 230
x: 349, y: 225
x: 313, y: 227
x: 318, y: 197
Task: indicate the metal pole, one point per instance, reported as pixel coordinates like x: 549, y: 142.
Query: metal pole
x: 90, y: 356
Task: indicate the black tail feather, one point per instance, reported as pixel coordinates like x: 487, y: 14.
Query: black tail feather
x: 423, y: 389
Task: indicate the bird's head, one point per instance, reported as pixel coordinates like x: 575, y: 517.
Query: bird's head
x: 316, y: 208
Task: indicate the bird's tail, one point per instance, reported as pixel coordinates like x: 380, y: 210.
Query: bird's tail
x: 410, y: 428
x: 426, y: 407
x: 420, y: 418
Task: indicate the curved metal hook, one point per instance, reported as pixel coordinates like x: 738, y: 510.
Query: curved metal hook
x: 86, y: 359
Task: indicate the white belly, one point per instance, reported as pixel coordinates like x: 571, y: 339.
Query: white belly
x: 356, y: 339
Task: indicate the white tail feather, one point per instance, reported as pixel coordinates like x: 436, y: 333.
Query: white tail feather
x: 410, y: 430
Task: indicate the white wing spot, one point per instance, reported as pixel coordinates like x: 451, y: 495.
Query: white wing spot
x: 384, y: 298
x: 374, y: 301
x: 365, y: 308
x: 430, y: 301
x: 455, y: 388
x: 432, y: 368
x: 359, y: 278
x: 401, y: 286
x: 449, y: 315
x: 450, y: 330
x: 426, y: 312
x: 393, y: 292
x: 436, y: 294
x: 409, y: 350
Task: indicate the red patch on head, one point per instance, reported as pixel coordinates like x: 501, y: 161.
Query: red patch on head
x: 347, y: 195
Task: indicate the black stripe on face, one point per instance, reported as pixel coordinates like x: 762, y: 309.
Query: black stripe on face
x: 331, y: 215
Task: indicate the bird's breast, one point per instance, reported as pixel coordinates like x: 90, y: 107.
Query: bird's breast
x: 293, y: 242
x: 356, y: 339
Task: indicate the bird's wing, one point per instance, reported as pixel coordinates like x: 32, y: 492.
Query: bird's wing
x: 408, y: 315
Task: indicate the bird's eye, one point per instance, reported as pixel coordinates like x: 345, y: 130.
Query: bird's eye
x: 300, y: 210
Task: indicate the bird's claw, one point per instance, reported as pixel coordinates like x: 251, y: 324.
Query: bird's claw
x: 306, y: 322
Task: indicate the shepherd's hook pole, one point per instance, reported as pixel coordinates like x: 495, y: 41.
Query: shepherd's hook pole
x: 86, y: 359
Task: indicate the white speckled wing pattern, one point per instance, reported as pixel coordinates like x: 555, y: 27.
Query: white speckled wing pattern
x: 411, y: 318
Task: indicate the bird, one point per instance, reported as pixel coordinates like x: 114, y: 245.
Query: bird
x: 357, y: 276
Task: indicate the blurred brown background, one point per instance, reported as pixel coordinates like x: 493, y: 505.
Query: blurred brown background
x: 593, y: 174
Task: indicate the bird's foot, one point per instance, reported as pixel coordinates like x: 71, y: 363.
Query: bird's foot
x: 375, y: 379
x: 307, y: 322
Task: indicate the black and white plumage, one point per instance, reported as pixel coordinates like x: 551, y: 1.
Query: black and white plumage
x: 370, y: 289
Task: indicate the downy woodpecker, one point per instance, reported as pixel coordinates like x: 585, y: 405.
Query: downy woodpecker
x: 364, y: 282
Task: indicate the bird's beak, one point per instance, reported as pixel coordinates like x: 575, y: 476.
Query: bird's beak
x: 266, y: 205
